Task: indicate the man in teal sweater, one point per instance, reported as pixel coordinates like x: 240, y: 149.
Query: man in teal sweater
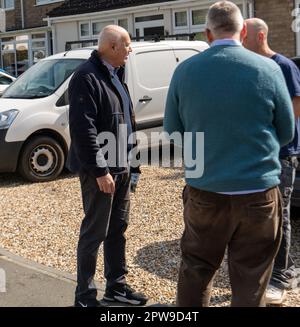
x: 240, y: 101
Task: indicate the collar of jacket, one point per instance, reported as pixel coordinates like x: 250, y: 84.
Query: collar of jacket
x: 96, y: 59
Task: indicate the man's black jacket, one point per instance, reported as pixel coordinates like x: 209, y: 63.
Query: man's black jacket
x: 94, y: 102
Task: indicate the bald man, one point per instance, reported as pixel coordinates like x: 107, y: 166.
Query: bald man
x: 284, y: 274
x: 99, y: 103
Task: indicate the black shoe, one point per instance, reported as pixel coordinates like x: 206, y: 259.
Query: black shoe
x: 125, y: 294
x: 88, y: 303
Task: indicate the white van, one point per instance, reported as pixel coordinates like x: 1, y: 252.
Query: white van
x: 34, y: 131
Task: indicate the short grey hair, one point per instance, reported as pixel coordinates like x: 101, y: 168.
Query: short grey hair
x: 224, y: 17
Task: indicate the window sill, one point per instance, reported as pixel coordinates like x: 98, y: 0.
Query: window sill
x: 49, y: 3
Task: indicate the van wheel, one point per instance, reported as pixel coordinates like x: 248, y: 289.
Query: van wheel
x: 42, y: 159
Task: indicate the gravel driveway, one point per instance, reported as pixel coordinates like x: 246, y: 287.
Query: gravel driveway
x: 41, y: 222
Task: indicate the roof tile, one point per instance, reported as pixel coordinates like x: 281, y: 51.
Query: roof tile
x: 75, y: 7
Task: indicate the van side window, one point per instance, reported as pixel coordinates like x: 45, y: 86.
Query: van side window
x: 155, y: 68
x: 63, y: 100
x: 43, y: 79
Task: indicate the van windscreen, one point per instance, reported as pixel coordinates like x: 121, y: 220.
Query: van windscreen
x: 42, y: 79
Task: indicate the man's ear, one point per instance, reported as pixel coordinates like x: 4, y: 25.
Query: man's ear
x: 209, y: 36
x: 261, y: 37
x: 243, y: 33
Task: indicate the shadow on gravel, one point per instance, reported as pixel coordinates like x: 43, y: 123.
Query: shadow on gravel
x: 163, y: 258
x: 14, y: 180
x: 160, y: 258
x: 178, y: 174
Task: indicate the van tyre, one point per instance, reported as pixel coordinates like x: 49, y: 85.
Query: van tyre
x: 42, y: 159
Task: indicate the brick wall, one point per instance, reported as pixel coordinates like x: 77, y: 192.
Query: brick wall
x: 11, y: 23
x: 278, y: 15
x: 33, y: 15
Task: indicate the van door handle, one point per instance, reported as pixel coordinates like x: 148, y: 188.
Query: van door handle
x: 145, y: 99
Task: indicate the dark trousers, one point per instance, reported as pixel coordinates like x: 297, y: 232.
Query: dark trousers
x: 106, y: 220
x: 284, y: 274
x: 249, y: 225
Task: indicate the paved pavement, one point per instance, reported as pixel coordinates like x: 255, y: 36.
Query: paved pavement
x: 28, y: 284
x: 24, y: 283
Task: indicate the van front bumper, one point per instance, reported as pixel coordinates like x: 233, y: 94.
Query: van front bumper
x: 9, y: 153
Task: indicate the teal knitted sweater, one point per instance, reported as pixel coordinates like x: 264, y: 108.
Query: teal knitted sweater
x: 240, y: 101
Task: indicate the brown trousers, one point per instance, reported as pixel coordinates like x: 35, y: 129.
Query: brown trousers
x: 249, y: 225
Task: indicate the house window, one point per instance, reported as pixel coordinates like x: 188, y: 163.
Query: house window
x: 7, y: 47
x: 8, y: 62
x: 22, y: 38
x: 8, y: 39
x: 181, y: 19
x: 193, y: 20
x: 8, y: 4
x: 148, y: 18
x: 123, y: 23
x: 146, y: 26
x: 84, y: 30
x: 38, y: 46
x: 45, y: 2
x: 96, y: 28
x: 199, y: 17
x: 21, y: 51
x: 8, y: 55
x: 22, y: 55
x: 38, y: 36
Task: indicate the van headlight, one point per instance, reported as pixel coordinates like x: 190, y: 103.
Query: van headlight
x: 7, y: 117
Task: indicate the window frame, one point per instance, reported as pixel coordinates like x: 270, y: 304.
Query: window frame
x: 91, y: 34
x: 124, y: 18
x: 79, y: 27
x: 92, y: 29
x: 187, y: 19
x: 247, y: 8
x: 107, y: 22
x: 7, y: 8
x: 46, y: 2
x: 191, y: 18
x: 30, y: 41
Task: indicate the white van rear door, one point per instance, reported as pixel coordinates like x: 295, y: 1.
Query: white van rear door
x: 183, y: 54
x: 152, y: 71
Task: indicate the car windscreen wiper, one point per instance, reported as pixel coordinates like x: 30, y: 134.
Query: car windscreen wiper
x: 25, y: 97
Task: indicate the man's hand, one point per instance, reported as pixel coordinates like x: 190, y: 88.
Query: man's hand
x: 106, y: 184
